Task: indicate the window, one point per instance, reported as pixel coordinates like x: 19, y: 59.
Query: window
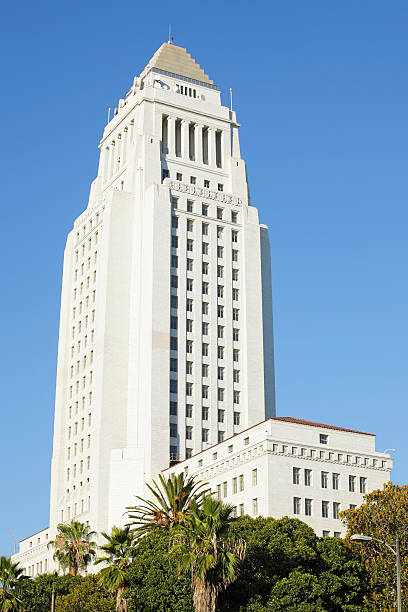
x: 335, y: 479
x: 241, y: 510
x: 189, y: 411
x: 204, y: 370
x: 308, y: 507
x: 296, y: 475
x: 173, y: 408
x: 236, y: 376
x: 220, y: 213
x: 204, y: 228
x: 189, y: 367
x: 218, y: 491
x: 236, y: 397
x: 234, y: 255
x: 204, y: 413
x: 363, y: 484
x: 174, y: 281
x: 352, y: 484
x: 237, y: 418
x: 189, y: 388
x: 204, y: 391
x: 204, y: 349
x: 235, y: 294
x: 221, y: 436
x: 220, y: 375
x: 353, y: 506
x: 173, y: 430
x: 241, y: 482
x: 234, y: 236
x: 204, y: 435
x: 220, y: 291
x: 205, y: 267
x: 234, y: 274
x: 336, y: 510
x: 204, y: 248
x: 220, y: 394
x: 179, y: 176
x: 190, y: 225
x: 173, y: 301
x: 234, y: 485
x: 189, y: 305
x: 193, y: 180
x: 220, y: 187
x: 190, y: 243
x: 254, y: 477
x: 189, y: 284
x: 173, y: 322
x: 205, y: 288
x: 323, y: 438
x: 325, y: 478
x: 189, y: 346
x: 220, y: 311
x: 235, y: 334
x: 173, y: 365
x: 206, y: 183
x: 326, y: 534
x: 221, y: 416
x: 174, y: 242
x: 235, y: 314
x: 174, y: 222
x: 204, y: 209
x: 234, y: 216
x: 224, y: 489
x: 219, y: 231
x: 165, y: 174
x: 325, y: 509
x: 189, y: 325
x: 190, y: 204
x: 296, y: 505
x: 220, y: 331
x: 236, y: 354
x: 255, y: 507
x: 220, y: 352
x: 189, y: 453
x: 308, y: 478
x: 173, y: 386
x: 189, y: 432
x: 220, y: 271
x: 220, y: 252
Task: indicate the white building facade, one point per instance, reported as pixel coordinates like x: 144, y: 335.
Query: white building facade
x: 289, y: 467
x: 165, y: 342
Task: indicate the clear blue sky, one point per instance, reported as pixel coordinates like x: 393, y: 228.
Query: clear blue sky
x: 321, y: 92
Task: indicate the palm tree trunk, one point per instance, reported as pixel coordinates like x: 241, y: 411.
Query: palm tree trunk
x: 121, y: 603
x: 205, y: 597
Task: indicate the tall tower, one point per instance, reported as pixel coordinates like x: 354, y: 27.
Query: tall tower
x: 165, y: 343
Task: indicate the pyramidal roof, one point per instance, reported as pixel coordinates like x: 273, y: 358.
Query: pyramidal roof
x: 172, y: 58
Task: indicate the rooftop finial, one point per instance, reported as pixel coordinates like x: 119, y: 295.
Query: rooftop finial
x: 170, y: 36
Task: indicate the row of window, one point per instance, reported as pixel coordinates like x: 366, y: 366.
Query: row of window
x: 78, y: 328
x: 204, y: 210
x: 204, y: 349
x: 74, y: 429
x: 90, y: 224
x: 205, y: 227
x: 204, y: 432
x: 204, y: 368
x: 83, y: 506
x: 79, y: 272
x: 204, y: 391
x: 325, y: 478
x: 204, y: 246
x: 307, y: 507
x: 73, y: 452
x: 85, y: 361
x: 204, y: 414
x: 81, y: 466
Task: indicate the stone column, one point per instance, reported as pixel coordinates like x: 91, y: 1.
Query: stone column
x: 171, y: 135
x: 184, y: 139
x: 211, y: 147
x: 125, y: 145
x: 198, y: 144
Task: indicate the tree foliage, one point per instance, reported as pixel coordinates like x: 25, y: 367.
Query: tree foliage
x: 86, y: 596
x: 11, y: 585
x: 73, y: 547
x: 172, y: 499
x: 37, y: 593
x: 384, y: 516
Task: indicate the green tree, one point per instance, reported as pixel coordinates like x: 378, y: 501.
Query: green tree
x: 209, y: 550
x: 119, y: 551
x: 172, y: 500
x: 11, y: 585
x: 74, y: 549
x: 87, y: 596
x: 155, y: 584
x: 287, y: 567
x: 383, y: 516
x: 37, y: 593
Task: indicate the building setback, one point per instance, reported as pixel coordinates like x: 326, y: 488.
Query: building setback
x: 290, y: 467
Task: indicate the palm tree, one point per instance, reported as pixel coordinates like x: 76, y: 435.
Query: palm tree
x: 74, y: 549
x: 209, y: 550
x: 172, y: 501
x: 119, y: 551
x: 11, y: 585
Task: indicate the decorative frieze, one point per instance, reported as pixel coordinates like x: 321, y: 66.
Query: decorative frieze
x: 204, y: 192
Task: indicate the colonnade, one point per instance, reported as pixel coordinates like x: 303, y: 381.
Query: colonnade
x: 193, y: 141
x: 116, y: 152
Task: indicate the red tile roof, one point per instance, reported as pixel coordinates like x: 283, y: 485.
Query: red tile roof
x: 312, y: 424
